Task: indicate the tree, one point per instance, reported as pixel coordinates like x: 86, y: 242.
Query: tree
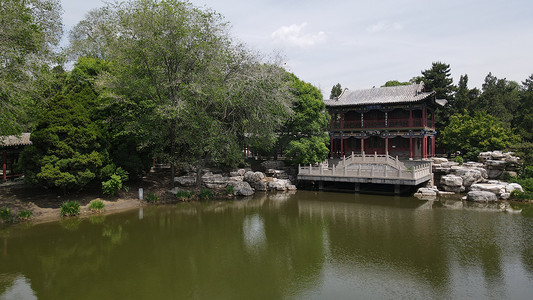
x: 91, y: 37
x: 395, y: 83
x: 524, y: 115
x: 438, y: 79
x: 336, y: 91
x: 481, y: 132
x: 203, y: 92
x: 28, y: 32
x: 465, y: 98
x: 68, y: 148
x: 499, y: 98
x: 304, y: 135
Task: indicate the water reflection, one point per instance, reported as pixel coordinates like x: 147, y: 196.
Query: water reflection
x: 15, y: 287
x: 303, y: 245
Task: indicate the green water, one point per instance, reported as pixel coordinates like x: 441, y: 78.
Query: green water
x: 308, y: 245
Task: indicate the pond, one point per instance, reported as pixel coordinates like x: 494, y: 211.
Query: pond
x: 305, y: 245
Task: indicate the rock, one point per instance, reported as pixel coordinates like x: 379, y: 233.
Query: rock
x: 505, y: 196
x: 510, y: 174
x: 278, y: 184
x: 481, y: 196
x: 469, y: 176
x: 237, y: 178
x: 439, y: 160
x: 241, y: 188
x: 239, y: 172
x: 495, y: 164
x: 426, y: 193
x: 472, y: 164
x: 186, y: 180
x: 513, y: 186
x: 215, y: 181
x: 496, y: 189
x: 494, y: 173
x: 174, y: 191
x: 261, y: 185
x: 452, y: 183
x: 252, y: 177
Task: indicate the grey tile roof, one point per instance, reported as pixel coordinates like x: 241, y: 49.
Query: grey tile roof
x: 13, y: 140
x: 382, y: 95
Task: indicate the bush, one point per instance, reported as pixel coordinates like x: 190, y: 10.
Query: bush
x: 70, y: 208
x: 5, y: 215
x: 25, y: 215
x: 206, y: 194
x: 459, y: 160
x: 184, y: 195
x: 112, y: 186
x: 151, y: 197
x: 96, y: 205
x: 230, y: 189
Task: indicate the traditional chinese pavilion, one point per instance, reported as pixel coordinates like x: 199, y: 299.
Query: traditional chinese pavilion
x: 10, y: 148
x: 398, y: 121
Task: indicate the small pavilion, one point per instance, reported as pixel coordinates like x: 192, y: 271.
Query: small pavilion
x: 10, y: 148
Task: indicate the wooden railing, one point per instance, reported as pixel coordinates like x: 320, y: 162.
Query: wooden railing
x: 391, y: 123
x: 369, y: 166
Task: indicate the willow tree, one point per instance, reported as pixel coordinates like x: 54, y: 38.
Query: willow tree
x: 29, y: 30
x: 202, y: 91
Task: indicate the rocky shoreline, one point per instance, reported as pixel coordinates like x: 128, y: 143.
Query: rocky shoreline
x: 481, y: 181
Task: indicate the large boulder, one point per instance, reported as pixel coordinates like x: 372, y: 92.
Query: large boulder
x: 469, y: 176
x: 241, y: 188
x: 513, y: 186
x: 260, y: 186
x: 452, y: 183
x: 426, y: 193
x: 495, y: 188
x: 252, y: 177
x: 236, y: 173
x: 187, y: 181
x: 481, y: 196
x: 215, y: 181
x: 280, y: 185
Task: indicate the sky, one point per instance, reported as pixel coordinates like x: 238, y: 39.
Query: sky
x: 362, y: 44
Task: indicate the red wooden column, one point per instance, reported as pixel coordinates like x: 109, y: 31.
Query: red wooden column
x: 411, y: 147
x: 433, y: 146
x: 424, y: 117
x: 331, y: 146
x: 4, y: 166
x: 386, y: 145
x: 342, y: 144
x: 362, y: 145
x: 424, y: 146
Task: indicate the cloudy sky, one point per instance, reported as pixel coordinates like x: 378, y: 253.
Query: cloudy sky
x: 361, y: 44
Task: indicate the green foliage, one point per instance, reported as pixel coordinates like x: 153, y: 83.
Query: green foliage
x: 395, y: 83
x: 25, y: 215
x: 184, y: 195
x: 521, y: 196
x: 336, y: 91
x: 151, y: 197
x: 303, y: 137
x: 5, y: 215
x: 481, y: 132
x: 459, y: 160
x: 29, y: 31
x: 96, y: 205
x: 69, y: 147
x: 70, y: 208
x: 438, y: 79
x: 230, y: 189
x: 115, y: 182
x: 206, y: 194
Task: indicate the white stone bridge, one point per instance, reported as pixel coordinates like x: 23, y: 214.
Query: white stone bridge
x: 379, y: 169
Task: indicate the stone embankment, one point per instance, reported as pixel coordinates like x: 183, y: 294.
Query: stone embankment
x: 245, y: 182
x: 481, y: 181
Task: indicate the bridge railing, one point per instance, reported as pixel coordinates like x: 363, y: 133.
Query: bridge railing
x: 377, y: 166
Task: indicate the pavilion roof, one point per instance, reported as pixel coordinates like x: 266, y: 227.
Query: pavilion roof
x: 15, y: 140
x: 382, y: 95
